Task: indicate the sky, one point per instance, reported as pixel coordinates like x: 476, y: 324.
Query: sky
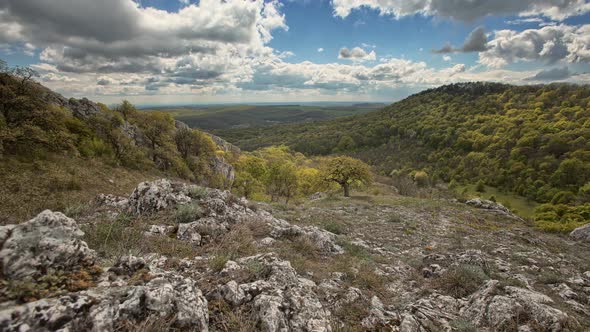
x: 165, y: 52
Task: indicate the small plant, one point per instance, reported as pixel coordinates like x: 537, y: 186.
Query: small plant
x: 74, y: 211
x: 334, y: 227
x: 461, y: 325
x: 188, y: 213
x: 197, y: 192
x: 217, y: 263
x: 480, y: 187
x: 462, y: 280
x: 493, y: 198
x: 258, y: 270
x: 395, y: 218
x: 549, y: 277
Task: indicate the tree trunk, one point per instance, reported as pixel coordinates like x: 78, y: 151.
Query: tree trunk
x: 346, y: 187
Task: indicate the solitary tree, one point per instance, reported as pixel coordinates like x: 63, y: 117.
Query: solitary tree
x: 346, y: 171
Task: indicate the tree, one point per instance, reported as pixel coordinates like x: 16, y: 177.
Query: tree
x: 157, y: 127
x: 282, y: 180
x: 126, y: 109
x: 480, y: 187
x: 346, y: 172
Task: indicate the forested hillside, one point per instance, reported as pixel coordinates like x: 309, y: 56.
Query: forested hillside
x: 531, y: 140
x: 211, y: 118
x: 52, y: 147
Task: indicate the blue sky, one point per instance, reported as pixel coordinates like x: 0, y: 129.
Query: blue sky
x: 183, y: 51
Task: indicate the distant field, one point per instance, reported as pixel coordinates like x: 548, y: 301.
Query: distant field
x: 518, y: 204
x: 246, y: 116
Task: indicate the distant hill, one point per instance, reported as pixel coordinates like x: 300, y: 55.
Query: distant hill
x: 245, y: 116
x: 532, y: 140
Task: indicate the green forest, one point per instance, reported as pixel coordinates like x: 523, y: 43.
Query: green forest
x: 530, y: 140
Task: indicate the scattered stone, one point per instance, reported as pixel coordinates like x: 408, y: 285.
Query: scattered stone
x: 113, y: 201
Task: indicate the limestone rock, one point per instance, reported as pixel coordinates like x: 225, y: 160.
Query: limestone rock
x: 581, y: 233
x: 50, y: 241
x: 280, y: 299
x: 492, y: 206
x: 491, y: 307
x: 101, y: 309
x: 113, y: 201
x: 150, y: 197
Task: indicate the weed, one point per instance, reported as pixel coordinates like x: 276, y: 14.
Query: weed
x: 197, y: 192
x: 77, y: 210
x: 548, y: 277
x: 188, y: 213
x: 461, y: 325
x: 217, y: 263
x: 462, y: 280
x: 334, y: 227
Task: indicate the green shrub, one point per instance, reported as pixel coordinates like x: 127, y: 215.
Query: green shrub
x: 334, y: 227
x: 462, y: 280
x: 480, y: 187
x: 561, y: 218
x: 563, y: 197
x: 421, y: 178
x: 197, y: 192
x: 188, y: 213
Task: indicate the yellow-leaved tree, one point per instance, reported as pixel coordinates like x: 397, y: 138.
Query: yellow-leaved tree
x: 347, y: 172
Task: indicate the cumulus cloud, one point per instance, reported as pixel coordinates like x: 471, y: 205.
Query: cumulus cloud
x: 466, y: 10
x: 121, y: 36
x: 320, y: 50
x: 356, y: 54
x: 549, y: 44
x: 476, y: 41
x: 122, y: 48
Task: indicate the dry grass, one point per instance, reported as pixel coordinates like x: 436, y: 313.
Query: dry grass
x: 222, y: 317
x: 59, y: 182
x: 461, y: 281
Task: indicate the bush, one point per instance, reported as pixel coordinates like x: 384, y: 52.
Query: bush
x: 188, y: 213
x: 421, y: 178
x: 197, y: 192
x: 561, y: 218
x: 480, y: 187
x: 462, y: 280
x: 563, y: 197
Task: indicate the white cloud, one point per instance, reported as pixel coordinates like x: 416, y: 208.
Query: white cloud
x: 549, y: 44
x: 320, y: 50
x: 466, y: 10
x: 356, y: 54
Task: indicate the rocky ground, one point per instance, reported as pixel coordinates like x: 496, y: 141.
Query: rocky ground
x: 178, y: 257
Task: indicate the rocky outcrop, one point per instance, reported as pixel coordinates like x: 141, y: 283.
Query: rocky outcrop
x: 279, y: 298
x: 221, y: 211
x: 225, y: 145
x: 130, y: 292
x: 166, y: 296
x: 225, y: 169
x: 516, y: 308
x: 492, y: 206
x: 49, y: 242
x: 150, y: 197
x: 81, y: 108
x: 581, y: 233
